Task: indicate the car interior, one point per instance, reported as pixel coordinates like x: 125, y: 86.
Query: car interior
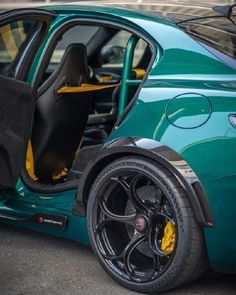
x: 90, y: 69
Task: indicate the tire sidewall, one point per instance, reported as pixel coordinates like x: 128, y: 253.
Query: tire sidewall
x: 184, y: 221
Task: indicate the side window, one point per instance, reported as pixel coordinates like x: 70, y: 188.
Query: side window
x: 112, y: 54
x: 76, y: 34
x: 13, y: 38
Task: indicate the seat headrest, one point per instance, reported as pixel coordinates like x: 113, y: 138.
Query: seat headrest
x: 74, y: 65
x: 72, y: 69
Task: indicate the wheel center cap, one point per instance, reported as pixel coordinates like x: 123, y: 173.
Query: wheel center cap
x: 141, y: 224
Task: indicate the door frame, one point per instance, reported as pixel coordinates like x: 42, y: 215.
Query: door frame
x: 45, y: 17
x: 16, y: 82
x: 45, y: 58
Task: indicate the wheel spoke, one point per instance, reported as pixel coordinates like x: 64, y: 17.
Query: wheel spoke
x: 131, y: 191
x: 134, y: 198
x: 101, y: 226
x: 153, y: 241
x: 115, y: 217
x: 156, y: 264
x: 122, y: 182
x: 132, y: 245
x: 111, y: 257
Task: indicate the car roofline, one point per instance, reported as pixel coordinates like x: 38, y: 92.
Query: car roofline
x: 103, y: 9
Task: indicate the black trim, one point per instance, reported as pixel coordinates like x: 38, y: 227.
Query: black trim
x: 198, y: 189
x: 26, y: 179
x: 49, y: 220
x: 44, y: 18
x: 153, y: 150
x: 44, y: 188
x: 30, y: 50
x: 34, y: 14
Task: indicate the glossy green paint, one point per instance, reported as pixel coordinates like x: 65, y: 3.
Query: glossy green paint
x: 127, y: 67
x: 209, y: 149
x: 21, y: 202
x: 198, y: 106
x: 181, y: 66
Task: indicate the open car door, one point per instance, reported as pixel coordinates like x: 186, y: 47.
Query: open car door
x: 21, y: 33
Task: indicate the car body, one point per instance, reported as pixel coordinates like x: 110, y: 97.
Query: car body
x: 180, y: 118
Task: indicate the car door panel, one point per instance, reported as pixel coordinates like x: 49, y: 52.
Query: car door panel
x: 14, y: 122
x: 22, y: 32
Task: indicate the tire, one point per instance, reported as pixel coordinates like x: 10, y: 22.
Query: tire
x: 120, y: 186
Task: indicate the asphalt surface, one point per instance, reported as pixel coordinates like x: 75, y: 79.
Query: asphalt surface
x: 37, y: 264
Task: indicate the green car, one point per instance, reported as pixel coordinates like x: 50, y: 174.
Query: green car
x: 118, y: 130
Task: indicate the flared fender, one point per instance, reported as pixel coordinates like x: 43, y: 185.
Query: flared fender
x: 157, y: 152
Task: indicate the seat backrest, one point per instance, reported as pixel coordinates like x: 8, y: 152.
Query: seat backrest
x: 60, y: 119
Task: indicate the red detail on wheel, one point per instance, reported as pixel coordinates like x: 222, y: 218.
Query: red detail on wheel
x: 41, y: 219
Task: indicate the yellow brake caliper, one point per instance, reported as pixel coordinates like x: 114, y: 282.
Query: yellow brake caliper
x: 169, y: 238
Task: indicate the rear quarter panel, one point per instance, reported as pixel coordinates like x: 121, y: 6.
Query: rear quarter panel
x: 209, y: 149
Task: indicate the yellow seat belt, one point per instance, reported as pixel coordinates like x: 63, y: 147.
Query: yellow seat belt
x: 139, y: 73
x: 30, y: 161
x: 84, y: 88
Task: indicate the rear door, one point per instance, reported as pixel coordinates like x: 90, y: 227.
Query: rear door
x: 21, y: 33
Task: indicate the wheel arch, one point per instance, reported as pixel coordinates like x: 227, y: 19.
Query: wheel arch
x: 152, y: 150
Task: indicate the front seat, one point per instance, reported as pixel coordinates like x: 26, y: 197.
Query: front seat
x: 60, y: 119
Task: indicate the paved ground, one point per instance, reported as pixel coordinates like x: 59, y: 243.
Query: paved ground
x: 38, y: 264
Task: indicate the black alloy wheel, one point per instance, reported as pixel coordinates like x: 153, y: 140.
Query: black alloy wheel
x: 135, y: 224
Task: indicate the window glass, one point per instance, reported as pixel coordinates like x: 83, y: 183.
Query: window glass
x: 218, y: 35
x: 13, y: 37
x: 76, y: 34
x: 113, y: 52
